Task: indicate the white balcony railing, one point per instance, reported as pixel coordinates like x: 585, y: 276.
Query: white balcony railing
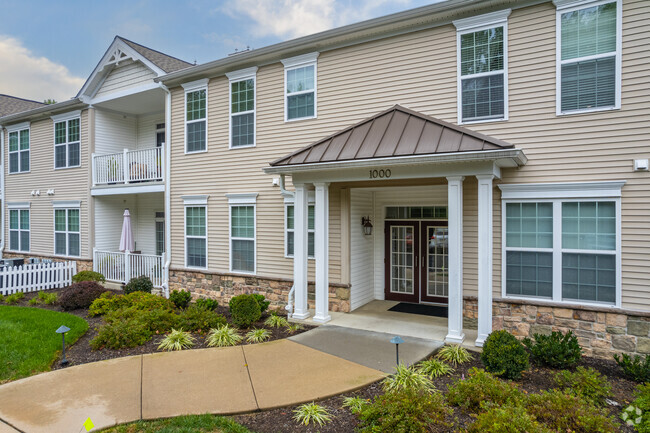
x: 121, y: 267
x: 130, y: 166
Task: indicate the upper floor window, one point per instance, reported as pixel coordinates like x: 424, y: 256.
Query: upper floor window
x: 589, y: 56
x: 482, y: 67
x: 242, y: 107
x: 67, y: 139
x: 19, y: 148
x: 196, y: 114
x: 300, y: 87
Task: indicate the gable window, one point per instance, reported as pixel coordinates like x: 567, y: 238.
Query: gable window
x: 482, y: 67
x: 67, y: 239
x: 67, y: 150
x: 242, y: 108
x: 588, y: 56
x: 18, y: 148
x: 196, y: 133
x: 19, y: 228
x: 300, y: 87
x: 290, y: 236
x: 563, y: 249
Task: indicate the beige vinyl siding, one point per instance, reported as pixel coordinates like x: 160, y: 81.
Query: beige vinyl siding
x: 146, y: 130
x: 68, y: 184
x: 128, y: 74
x: 418, y: 70
x: 114, y: 132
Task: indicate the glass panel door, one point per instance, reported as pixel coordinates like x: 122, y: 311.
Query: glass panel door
x: 402, y: 279
x: 435, y: 272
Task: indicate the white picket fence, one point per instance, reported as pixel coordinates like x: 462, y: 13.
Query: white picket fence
x: 121, y: 267
x: 36, y: 276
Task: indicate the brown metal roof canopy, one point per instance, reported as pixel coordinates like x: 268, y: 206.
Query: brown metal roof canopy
x: 397, y: 131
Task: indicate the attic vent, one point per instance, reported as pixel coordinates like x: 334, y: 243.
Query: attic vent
x: 160, y: 214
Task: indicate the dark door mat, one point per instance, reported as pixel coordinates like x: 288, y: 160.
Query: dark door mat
x: 425, y: 310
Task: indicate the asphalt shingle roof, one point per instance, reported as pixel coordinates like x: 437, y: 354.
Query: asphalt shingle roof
x: 12, y: 105
x: 163, y: 61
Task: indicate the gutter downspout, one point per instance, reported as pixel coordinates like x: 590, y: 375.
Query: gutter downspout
x: 289, y: 306
x: 168, y: 229
x: 2, y: 190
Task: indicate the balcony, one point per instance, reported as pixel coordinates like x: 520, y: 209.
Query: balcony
x: 129, y: 167
x: 120, y: 267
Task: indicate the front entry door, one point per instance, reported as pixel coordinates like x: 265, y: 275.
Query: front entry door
x: 416, y: 261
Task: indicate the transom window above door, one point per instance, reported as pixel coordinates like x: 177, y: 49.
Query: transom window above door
x: 416, y: 212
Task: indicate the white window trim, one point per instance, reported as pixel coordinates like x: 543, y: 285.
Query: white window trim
x: 236, y: 203
x: 562, y: 7
x: 195, y: 200
x: 66, y: 231
x: 18, y: 207
x: 203, y: 205
x: 242, y: 198
x: 301, y: 61
x: 65, y: 118
x: 190, y: 87
x: 289, y: 201
x: 471, y: 25
x: 235, y: 77
x: 17, y: 129
x: 557, y: 194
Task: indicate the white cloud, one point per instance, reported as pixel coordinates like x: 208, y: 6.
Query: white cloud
x: 294, y: 18
x: 25, y: 75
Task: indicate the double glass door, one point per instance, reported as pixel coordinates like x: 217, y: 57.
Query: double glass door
x: 416, y: 261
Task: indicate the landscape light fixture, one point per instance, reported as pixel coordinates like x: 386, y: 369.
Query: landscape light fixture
x: 367, y: 225
x: 397, y: 340
x: 62, y: 330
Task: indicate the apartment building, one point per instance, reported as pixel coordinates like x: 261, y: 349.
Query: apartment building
x: 486, y: 156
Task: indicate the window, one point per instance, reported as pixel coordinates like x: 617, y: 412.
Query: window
x: 242, y: 108
x: 589, y: 57
x: 19, y: 149
x: 300, y: 87
x: 482, y: 66
x: 19, y: 229
x: 67, y: 241
x: 563, y: 249
x: 160, y: 134
x: 67, y: 152
x: 160, y: 233
x: 195, y: 237
x: 242, y: 238
x: 196, y: 116
x: 290, y: 230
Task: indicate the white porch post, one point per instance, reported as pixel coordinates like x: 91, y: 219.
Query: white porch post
x: 322, y: 252
x: 301, y: 310
x: 484, y: 257
x: 455, y: 251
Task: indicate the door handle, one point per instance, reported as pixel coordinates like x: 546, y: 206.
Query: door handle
x: 423, y: 260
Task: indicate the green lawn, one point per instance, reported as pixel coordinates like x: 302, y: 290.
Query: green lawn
x: 28, y: 343
x: 182, y: 424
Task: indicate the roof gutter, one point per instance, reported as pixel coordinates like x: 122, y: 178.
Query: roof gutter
x: 44, y: 111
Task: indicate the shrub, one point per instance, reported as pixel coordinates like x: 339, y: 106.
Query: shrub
x: 406, y: 378
x: 180, y: 298
x: 568, y: 413
x: 34, y: 301
x: 177, y: 339
x: 244, y: 310
x: 311, y: 412
x: 88, y: 276
x: 481, y: 390
x: 556, y: 350
x: 47, y: 298
x: 257, y: 335
x: 354, y: 404
x: 406, y: 410
x: 507, y: 419
x: 208, y: 304
x: 14, y: 298
x: 504, y: 355
x: 633, y: 416
x: 637, y: 368
x: 197, y: 319
x: 222, y: 336
x: 584, y: 382
x: 121, y: 334
x: 154, y: 320
x: 2, y: 298
x: 275, y: 321
x: 640, y: 404
x: 139, y: 284
x: 294, y: 327
x: 138, y: 300
x: 261, y: 300
x: 434, y: 368
x: 80, y: 295
x: 454, y: 354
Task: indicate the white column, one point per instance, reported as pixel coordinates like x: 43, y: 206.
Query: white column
x: 484, y: 257
x: 455, y: 251
x: 301, y: 310
x: 322, y: 252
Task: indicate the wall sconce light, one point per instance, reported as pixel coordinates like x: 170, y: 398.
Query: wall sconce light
x: 367, y: 225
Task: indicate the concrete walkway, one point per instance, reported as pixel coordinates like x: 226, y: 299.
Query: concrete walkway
x: 220, y: 381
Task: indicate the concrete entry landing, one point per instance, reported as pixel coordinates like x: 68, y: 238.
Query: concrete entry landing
x: 369, y: 348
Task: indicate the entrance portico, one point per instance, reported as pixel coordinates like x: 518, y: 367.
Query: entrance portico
x: 394, y: 148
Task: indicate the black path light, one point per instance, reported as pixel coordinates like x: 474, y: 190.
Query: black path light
x: 397, y: 340
x: 62, y: 330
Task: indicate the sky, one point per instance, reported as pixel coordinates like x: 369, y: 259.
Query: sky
x: 48, y: 48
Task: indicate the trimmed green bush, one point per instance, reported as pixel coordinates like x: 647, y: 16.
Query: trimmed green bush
x: 503, y: 355
x: 139, y: 300
x: 261, y: 300
x: 584, y: 382
x: 121, y: 334
x: 556, y: 350
x: 88, y: 276
x: 139, y: 284
x: 197, y: 319
x: 480, y: 390
x: 507, y: 419
x: 245, y: 310
x: 637, y: 368
x: 80, y: 295
x: 208, y: 304
x: 158, y: 321
x: 180, y: 298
